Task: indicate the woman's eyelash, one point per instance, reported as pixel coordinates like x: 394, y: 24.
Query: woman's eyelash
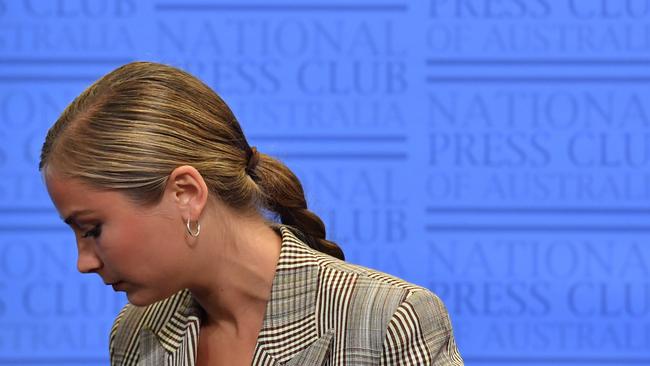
x: 94, y: 232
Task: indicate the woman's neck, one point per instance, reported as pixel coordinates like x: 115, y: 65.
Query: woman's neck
x: 234, y: 275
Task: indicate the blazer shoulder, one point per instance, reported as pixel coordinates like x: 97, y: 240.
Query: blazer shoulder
x: 367, y: 277
x: 336, y: 276
x: 371, y: 305
x: 420, y: 329
x: 366, y: 286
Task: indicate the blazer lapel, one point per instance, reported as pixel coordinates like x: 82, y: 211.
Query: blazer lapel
x: 314, y: 354
x: 173, y: 334
x: 153, y: 354
x: 290, y: 334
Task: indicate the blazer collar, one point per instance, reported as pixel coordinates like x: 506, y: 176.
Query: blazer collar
x: 290, y: 328
x: 290, y: 324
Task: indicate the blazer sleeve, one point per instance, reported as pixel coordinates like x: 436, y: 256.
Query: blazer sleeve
x: 419, y: 333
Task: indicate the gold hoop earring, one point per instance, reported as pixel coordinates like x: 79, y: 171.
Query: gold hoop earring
x: 189, y: 230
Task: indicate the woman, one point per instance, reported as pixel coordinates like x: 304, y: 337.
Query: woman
x: 212, y: 241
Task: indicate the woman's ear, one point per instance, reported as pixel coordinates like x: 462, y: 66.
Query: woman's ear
x: 188, y: 191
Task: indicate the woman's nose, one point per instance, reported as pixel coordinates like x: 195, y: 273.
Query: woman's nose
x: 87, y: 259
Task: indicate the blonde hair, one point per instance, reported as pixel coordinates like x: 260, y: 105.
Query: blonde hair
x: 130, y: 129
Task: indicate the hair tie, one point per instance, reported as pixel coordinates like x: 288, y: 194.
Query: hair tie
x: 253, y: 159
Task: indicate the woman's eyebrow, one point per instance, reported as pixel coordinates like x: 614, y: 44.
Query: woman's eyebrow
x: 68, y: 220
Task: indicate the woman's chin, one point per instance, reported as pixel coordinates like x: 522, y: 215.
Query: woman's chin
x: 138, y: 299
x: 143, y: 298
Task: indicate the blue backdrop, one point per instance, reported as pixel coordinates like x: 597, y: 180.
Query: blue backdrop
x: 494, y: 151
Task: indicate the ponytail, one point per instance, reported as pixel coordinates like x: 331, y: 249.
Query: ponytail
x: 183, y: 122
x: 282, y: 193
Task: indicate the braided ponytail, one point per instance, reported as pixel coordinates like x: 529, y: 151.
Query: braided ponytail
x: 282, y: 193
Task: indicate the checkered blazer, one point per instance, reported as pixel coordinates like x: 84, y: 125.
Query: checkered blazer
x: 322, y: 311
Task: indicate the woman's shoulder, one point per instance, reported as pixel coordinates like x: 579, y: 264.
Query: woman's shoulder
x: 351, y: 281
x: 387, y: 314
x: 353, y: 289
x: 365, y: 289
x: 368, y: 279
x: 346, y: 273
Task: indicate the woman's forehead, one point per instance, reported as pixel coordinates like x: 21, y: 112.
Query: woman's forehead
x: 71, y: 194
x: 66, y: 185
